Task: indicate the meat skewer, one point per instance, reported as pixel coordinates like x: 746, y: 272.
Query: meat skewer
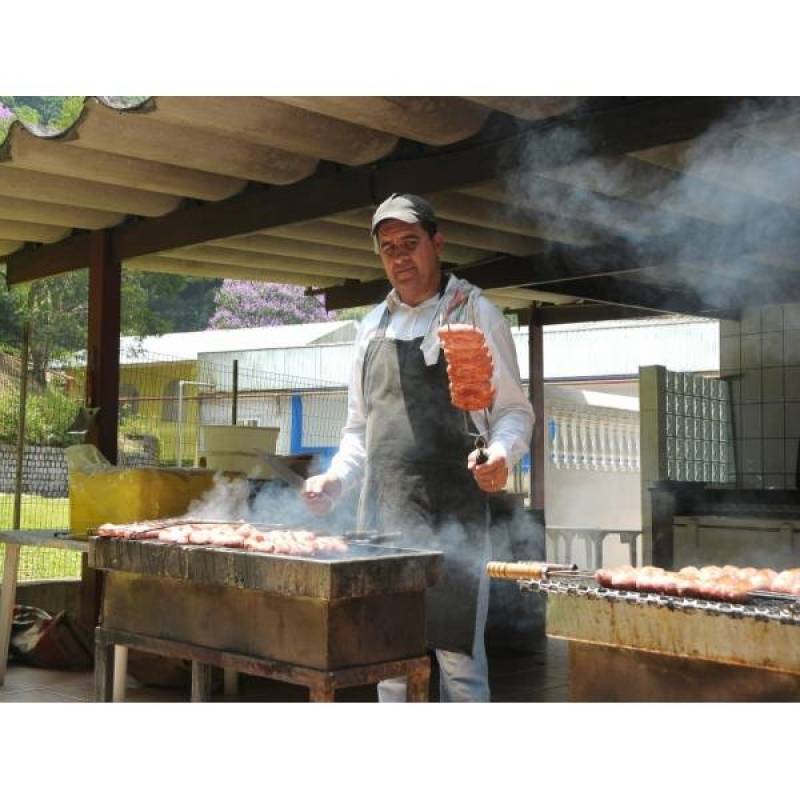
x: 227, y: 534
x: 470, y: 369
x: 725, y: 584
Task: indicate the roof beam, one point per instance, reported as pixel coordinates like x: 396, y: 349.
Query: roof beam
x: 588, y: 312
x: 632, y: 125
x: 609, y: 289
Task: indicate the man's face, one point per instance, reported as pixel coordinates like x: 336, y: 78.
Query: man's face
x: 411, y: 259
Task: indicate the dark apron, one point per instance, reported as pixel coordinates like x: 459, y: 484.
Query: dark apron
x: 417, y: 482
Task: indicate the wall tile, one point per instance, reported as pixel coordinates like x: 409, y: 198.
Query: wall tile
x: 774, y: 480
x: 772, y: 419
x: 772, y: 349
x: 792, y: 383
x: 790, y: 454
x: 752, y: 460
x: 751, y: 351
x: 751, y: 386
x: 791, y: 344
x: 729, y: 327
x: 773, y: 455
x: 772, y: 318
x: 751, y: 320
x: 791, y: 316
x: 735, y: 389
x: 730, y: 353
x: 792, y: 419
x: 751, y: 421
x: 772, y: 384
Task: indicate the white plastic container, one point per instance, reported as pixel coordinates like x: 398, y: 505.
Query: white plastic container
x: 233, y: 448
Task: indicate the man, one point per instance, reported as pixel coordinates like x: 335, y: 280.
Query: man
x: 408, y: 447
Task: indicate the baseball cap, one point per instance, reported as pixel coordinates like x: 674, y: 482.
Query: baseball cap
x: 408, y: 208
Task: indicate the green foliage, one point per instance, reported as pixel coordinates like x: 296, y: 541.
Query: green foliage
x: 178, y: 302
x: 48, y: 416
x: 356, y: 313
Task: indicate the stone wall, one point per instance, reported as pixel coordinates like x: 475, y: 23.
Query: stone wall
x: 44, y: 469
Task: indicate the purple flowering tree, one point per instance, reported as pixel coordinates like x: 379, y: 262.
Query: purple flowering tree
x: 251, y: 304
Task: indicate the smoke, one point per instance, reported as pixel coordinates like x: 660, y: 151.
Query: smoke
x: 709, y: 213
x: 272, y: 503
x: 225, y: 500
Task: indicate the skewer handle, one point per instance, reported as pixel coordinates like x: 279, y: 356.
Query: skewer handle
x: 521, y: 570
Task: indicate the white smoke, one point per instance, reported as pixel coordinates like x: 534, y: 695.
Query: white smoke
x: 226, y: 500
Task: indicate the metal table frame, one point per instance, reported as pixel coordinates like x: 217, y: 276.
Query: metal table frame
x: 14, y: 541
x: 111, y: 651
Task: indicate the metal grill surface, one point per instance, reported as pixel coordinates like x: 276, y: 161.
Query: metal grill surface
x: 766, y: 609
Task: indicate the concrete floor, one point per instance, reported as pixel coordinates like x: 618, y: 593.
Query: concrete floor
x: 514, y: 677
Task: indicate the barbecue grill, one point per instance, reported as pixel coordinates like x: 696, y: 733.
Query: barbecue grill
x: 323, y: 620
x: 628, y: 645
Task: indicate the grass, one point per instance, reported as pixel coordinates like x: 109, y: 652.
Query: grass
x: 40, y: 513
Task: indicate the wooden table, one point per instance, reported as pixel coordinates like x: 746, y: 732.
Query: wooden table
x: 14, y: 541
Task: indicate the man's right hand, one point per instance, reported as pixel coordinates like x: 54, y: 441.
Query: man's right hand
x: 320, y: 492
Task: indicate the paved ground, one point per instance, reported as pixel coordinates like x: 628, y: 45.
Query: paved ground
x: 514, y: 677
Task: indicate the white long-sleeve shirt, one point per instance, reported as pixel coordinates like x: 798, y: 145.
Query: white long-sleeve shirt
x: 510, y: 419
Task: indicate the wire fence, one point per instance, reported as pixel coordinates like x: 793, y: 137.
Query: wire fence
x: 166, y: 404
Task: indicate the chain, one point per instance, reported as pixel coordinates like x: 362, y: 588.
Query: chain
x: 788, y: 614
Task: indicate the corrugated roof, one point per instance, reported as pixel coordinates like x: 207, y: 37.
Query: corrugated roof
x: 187, y: 346
x: 592, y: 180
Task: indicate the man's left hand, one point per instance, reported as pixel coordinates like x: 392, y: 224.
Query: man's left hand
x: 490, y: 476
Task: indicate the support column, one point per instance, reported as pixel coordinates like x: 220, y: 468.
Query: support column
x: 102, y: 369
x: 102, y: 382
x: 536, y: 395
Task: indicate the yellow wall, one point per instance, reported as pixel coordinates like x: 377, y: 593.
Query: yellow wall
x: 157, y: 394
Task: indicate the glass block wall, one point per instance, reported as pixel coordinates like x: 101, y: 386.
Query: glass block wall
x: 697, y: 429
x: 686, y: 427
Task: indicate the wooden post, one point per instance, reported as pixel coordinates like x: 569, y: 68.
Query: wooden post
x: 8, y: 592
x: 536, y: 395
x: 102, y: 369
x: 23, y: 405
x: 201, y: 682
x: 102, y: 382
x: 235, y: 394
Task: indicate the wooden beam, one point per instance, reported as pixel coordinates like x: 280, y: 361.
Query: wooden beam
x: 102, y: 369
x: 355, y: 293
x: 631, y: 125
x: 30, y: 264
x: 588, y: 312
x: 610, y: 289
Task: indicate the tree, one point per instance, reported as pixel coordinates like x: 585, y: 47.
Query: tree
x: 250, y: 304
x: 59, y: 316
x: 180, y: 303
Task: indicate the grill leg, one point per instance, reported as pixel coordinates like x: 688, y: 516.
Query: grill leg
x: 418, y: 685
x: 103, y: 669
x: 201, y: 682
x: 120, y: 672
x: 231, y: 679
x: 321, y: 694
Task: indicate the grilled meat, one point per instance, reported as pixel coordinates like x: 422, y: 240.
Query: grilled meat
x: 227, y: 534
x: 469, y: 366
x: 729, y: 584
